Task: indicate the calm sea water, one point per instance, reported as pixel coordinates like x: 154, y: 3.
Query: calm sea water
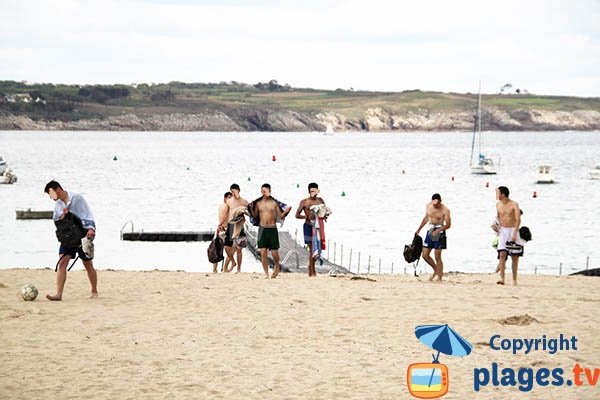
x: 175, y: 181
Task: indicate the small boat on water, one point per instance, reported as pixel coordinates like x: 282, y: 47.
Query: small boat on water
x: 7, y: 176
x: 544, y: 174
x: 484, y: 165
x: 3, y: 165
x: 34, y: 214
x: 595, y: 172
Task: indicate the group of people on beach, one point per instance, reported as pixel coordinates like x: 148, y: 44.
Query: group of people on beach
x: 506, y: 227
x: 265, y: 212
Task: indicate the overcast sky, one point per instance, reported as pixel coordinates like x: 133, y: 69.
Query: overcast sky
x: 545, y: 47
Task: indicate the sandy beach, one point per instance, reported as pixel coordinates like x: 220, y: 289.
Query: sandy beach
x: 179, y: 335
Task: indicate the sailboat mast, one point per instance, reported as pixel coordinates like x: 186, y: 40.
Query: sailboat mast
x: 476, y: 126
x: 473, y: 140
x: 479, y: 118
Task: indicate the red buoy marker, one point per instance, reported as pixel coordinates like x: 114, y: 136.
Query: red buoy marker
x: 274, y: 158
x: 534, y: 195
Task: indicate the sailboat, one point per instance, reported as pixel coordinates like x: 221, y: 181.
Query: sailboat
x: 595, y: 172
x: 483, y: 165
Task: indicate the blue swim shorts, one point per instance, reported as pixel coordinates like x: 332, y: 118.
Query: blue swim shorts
x: 437, y: 243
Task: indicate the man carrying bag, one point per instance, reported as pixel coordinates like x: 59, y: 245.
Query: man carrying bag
x: 74, y: 220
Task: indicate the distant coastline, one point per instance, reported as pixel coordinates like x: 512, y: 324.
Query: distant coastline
x: 269, y: 106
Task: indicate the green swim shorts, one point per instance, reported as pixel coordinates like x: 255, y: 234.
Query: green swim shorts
x: 268, y: 238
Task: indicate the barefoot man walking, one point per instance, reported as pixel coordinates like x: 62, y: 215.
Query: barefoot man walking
x: 74, y: 203
x: 268, y: 211
x: 509, y: 215
x: 438, y: 216
x: 303, y: 212
x: 233, y: 202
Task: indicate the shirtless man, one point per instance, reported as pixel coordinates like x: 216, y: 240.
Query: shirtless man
x: 268, y: 238
x: 222, y: 227
x: 304, y: 208
x: 509, y: 216
x: 234, y: 202
x: 438, y: 216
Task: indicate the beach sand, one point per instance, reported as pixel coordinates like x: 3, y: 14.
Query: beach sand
x: 176, y: 335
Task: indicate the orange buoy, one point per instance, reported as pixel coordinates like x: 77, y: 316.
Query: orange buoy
x: 274, y: 158
x: 534, y: 195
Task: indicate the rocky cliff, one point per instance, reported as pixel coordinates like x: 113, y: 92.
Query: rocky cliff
x: 377, y: 119
x: 373, y: 119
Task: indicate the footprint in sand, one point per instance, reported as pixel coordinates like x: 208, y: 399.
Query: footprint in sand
x: 519, y: 320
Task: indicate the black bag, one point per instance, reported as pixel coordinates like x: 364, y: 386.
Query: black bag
x: 525, y: 233
x: 215, y: 250
x: 514, y: 249
x: 412, y: 252
x: 69, y: 230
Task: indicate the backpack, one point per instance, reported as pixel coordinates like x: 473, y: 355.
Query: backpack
x: 412, y: 252
x: 215, y: 250
x: 69, y: 230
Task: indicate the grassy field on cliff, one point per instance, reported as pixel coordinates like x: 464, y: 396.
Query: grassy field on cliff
x: 75, y: 102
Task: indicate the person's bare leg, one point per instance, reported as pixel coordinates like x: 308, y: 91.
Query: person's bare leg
x: 215, y: 267
x: 275, y: 254
x: 429, y: 260
x: 515, y: 267
x: 311, y: 262
x: 93, y: 277
x: 61, y: 278
x: 229, y: 264
x: 229, y: 259
x: 439, y: 264
x: 502, y: 266
x: 263, y: 259
x: 239, y: 260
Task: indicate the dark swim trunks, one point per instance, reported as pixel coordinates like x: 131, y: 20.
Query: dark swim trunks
x: 268, y: 238
x: 228, y: 242
x: 438, y: 242
x: 72, y: 251
x: 308, y: 233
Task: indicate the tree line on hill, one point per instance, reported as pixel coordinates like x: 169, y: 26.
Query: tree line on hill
x: 60, y: 101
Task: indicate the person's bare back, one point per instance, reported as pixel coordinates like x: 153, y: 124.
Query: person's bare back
x: 223, y: 214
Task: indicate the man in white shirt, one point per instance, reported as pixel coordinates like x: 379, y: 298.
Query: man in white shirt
x: 75, y: 204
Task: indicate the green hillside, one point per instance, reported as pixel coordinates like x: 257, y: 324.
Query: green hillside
x: 76, y: 102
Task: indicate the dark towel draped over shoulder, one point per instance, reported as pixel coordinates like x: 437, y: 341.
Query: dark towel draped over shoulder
x: 253, y: 212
